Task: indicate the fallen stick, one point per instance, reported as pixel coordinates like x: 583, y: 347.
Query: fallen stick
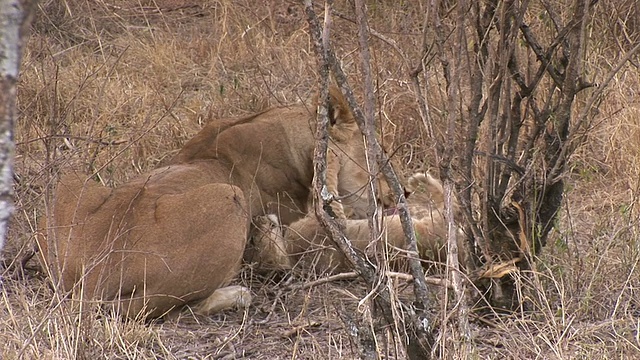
x: 352, y: 275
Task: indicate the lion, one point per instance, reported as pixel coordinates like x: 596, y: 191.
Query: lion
x: 353, y: 190
x: 306, y: 241
x: 266, y: 248
x: 176, y: 236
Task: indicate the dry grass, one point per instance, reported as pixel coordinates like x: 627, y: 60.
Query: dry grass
x: 118, y: 86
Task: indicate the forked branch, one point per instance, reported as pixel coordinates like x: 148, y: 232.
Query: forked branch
x: 421, y: 338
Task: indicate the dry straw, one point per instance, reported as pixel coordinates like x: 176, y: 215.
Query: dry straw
x: 116, y: 87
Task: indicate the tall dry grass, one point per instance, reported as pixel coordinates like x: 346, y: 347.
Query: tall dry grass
x: 116, y: 87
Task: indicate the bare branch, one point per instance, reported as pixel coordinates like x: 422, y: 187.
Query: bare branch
x: 574, y: 141
x: 364, y: 268
x: 390, y: 41
x: 352, y: 275
x: 369, y: 121
x: 453, y: 77
x: 422, y: 325
x: 390, y: 176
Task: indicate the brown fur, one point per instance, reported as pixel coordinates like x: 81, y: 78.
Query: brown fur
x: 175, y: 235
x: 130, y: 244
x: 269, y: 155
x: 308, y: 242
x: 267, y: 247
x: 354, y: 189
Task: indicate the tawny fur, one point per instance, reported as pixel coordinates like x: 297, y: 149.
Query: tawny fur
x: 354, y: 190
x: 307, y: 242
x: 267, y: 248
x: 176, y: 234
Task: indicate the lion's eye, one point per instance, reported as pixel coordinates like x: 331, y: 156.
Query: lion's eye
x: 407, y: 193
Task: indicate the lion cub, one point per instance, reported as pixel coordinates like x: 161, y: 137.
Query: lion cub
x: 307, y: 243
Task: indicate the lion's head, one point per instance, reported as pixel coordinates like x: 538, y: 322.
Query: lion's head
x: 307, y: 241
x: 355, y: 178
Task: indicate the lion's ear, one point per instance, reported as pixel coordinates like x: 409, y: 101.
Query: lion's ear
x: 424, y: 182
x: 332, y: 114
x: 339, y: 111
x: 434, y: 186
x: 414, y: 182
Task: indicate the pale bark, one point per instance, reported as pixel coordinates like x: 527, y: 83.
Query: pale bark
x: 13, y: 24
x: 320, y: 38
x: 418, y: 325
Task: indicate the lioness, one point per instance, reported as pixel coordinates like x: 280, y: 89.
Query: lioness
x: 266, y: 247
x: 306, y: 240
x: 176, y: 234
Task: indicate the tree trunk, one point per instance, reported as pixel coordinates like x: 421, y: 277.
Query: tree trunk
x: 14, y: 15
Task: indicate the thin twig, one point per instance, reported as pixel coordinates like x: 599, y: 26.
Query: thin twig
x: 572, y: 143
x: 327, y: 279
x: 137, y: 138
x: 80, y: 138
x: 353, y: 275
